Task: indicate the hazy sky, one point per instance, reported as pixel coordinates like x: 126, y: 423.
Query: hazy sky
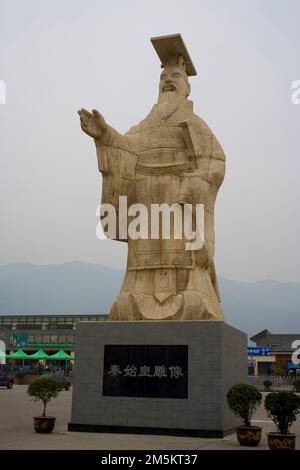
x: 57, y: 56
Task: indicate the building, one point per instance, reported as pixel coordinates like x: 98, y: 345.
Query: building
x: 48, y: 332
x: 282, y: 348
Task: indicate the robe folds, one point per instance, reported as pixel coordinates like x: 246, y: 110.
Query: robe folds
x: 151, y: 164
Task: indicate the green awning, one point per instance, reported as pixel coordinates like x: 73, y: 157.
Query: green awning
x: 61, y: 356
x: 39, y: 355
x: 20, y: 354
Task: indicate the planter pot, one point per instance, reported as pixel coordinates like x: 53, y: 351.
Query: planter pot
x: 278, y: 441
x: 248, y: 435
x: 44, y: 425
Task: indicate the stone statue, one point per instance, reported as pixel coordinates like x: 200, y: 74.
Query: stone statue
x: 170, y: 157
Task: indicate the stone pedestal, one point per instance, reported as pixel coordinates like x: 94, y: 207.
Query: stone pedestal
x: 179, y: 372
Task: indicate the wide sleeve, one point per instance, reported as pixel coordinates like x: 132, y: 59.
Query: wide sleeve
x: 116, y: 161
x: 211, y: 160
x: 216, y: 170
x: 115, y: 155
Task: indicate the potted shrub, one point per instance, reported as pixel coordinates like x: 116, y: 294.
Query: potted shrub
x: 243, y: 400
x: 267, y: 384
x: 44, y: 389
x: 282, y: 408
x: 296, y: 385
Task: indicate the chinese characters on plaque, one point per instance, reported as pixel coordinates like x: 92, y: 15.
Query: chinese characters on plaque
x: 146, y: 371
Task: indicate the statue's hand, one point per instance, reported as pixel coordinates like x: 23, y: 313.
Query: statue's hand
x: 93, y: 124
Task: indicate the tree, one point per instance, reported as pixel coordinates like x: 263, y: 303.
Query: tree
x: 243, y: 399
x: 282, y: 408
x: 44, y: 389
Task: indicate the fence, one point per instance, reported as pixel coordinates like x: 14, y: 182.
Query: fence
x: 278, y: 382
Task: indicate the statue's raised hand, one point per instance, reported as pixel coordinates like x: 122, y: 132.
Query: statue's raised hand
x: 93, y: 124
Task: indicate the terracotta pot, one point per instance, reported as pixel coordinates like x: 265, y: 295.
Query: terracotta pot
x: 248, y: 435
x: 279, y: 441
x: 44, y: 425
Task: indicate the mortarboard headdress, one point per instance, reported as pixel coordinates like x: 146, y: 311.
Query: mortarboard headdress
x: 172, y: 51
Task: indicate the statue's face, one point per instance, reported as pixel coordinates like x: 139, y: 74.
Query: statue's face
x: 173, y: 79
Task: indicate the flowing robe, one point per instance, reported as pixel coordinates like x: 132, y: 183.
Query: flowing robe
x: 151, y: 164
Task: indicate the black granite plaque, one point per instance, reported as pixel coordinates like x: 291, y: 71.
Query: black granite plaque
x: 145, y: 371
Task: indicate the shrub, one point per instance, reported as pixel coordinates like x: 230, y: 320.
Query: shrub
x: 282, y: 408
x: 243, y: 399
x: 44, y: 389
x: 267, y: 384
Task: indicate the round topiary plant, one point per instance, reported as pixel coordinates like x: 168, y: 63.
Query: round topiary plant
x: 44, y: 389
x: 267, y: 384
x: 243, y: 400
x: 282, y: 408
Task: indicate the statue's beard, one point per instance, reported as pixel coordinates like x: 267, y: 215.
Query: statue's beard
x: 168, y: 103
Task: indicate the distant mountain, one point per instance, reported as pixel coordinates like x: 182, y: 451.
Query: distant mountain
x: 254, y: 306
x: 78, y: 287
x: 73, y: 287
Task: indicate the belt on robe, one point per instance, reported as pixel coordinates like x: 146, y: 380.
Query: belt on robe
x: 165, y: 169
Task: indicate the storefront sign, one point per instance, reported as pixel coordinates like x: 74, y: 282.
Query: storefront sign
x: 259, y: 351
x: 41, y: 340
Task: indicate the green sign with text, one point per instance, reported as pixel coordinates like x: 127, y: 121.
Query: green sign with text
x: 42, y: 340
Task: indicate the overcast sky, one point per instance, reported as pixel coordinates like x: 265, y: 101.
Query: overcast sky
x: 57, y: 56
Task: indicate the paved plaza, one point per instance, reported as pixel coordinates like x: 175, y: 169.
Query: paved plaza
x: 16, y: 430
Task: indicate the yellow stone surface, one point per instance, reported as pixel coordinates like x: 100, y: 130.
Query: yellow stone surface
x: 170, y: 157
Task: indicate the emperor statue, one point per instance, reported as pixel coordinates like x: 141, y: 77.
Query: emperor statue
x: 170, y: 157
